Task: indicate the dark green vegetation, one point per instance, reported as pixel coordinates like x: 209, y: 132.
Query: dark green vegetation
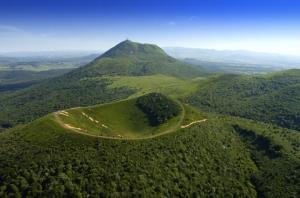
x: 89, y: 85
x: 271, y: 98
x: 275, y: 152
x: 20, y: 79
x: 217, y: 158
x: 158, y: 107
x: 121, y: 119
x: 23, y: 75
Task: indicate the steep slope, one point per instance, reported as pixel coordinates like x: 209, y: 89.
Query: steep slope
x: 90, y: 85
x: 270, y: 98
x: 222, y: 156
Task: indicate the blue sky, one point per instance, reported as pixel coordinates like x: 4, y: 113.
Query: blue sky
x: 43, y: 25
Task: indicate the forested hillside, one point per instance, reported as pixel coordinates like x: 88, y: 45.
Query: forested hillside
x: 271, y: 98
x: 223, y: 156
x: 20, y: 79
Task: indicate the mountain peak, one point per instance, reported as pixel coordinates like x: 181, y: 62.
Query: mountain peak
x: 130, y: 48
x: 130, y: 58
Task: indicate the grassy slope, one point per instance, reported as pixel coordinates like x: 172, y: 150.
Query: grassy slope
x: 122, y: 119
x: 171, y: 86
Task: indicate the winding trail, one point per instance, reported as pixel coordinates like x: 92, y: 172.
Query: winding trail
x: 190, y: 124
x: 170, y: 130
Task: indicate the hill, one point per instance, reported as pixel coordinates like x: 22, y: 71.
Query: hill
x: 222, y: 156
x: 271, y: 98
x: 91, y: 84
x: 135, y: 59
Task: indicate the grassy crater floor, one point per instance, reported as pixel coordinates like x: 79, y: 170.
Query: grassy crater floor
x: 118, y: 120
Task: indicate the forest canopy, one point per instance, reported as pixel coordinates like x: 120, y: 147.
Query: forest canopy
x: 158, y: 107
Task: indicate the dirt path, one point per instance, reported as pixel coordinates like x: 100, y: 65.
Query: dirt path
x: 170, y: 130
x: 71, y: 128
x: 190, y: 124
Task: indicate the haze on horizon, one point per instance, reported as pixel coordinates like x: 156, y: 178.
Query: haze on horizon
x: 61, y: 25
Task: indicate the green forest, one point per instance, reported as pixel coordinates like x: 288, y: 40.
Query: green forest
x: 158, y: 107
x: 269, y: 98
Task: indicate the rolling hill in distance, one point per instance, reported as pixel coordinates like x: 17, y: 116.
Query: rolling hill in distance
x: 237, y: 57
x: 36, y: 61
x: 136, y: 122
x: 22, y: 70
